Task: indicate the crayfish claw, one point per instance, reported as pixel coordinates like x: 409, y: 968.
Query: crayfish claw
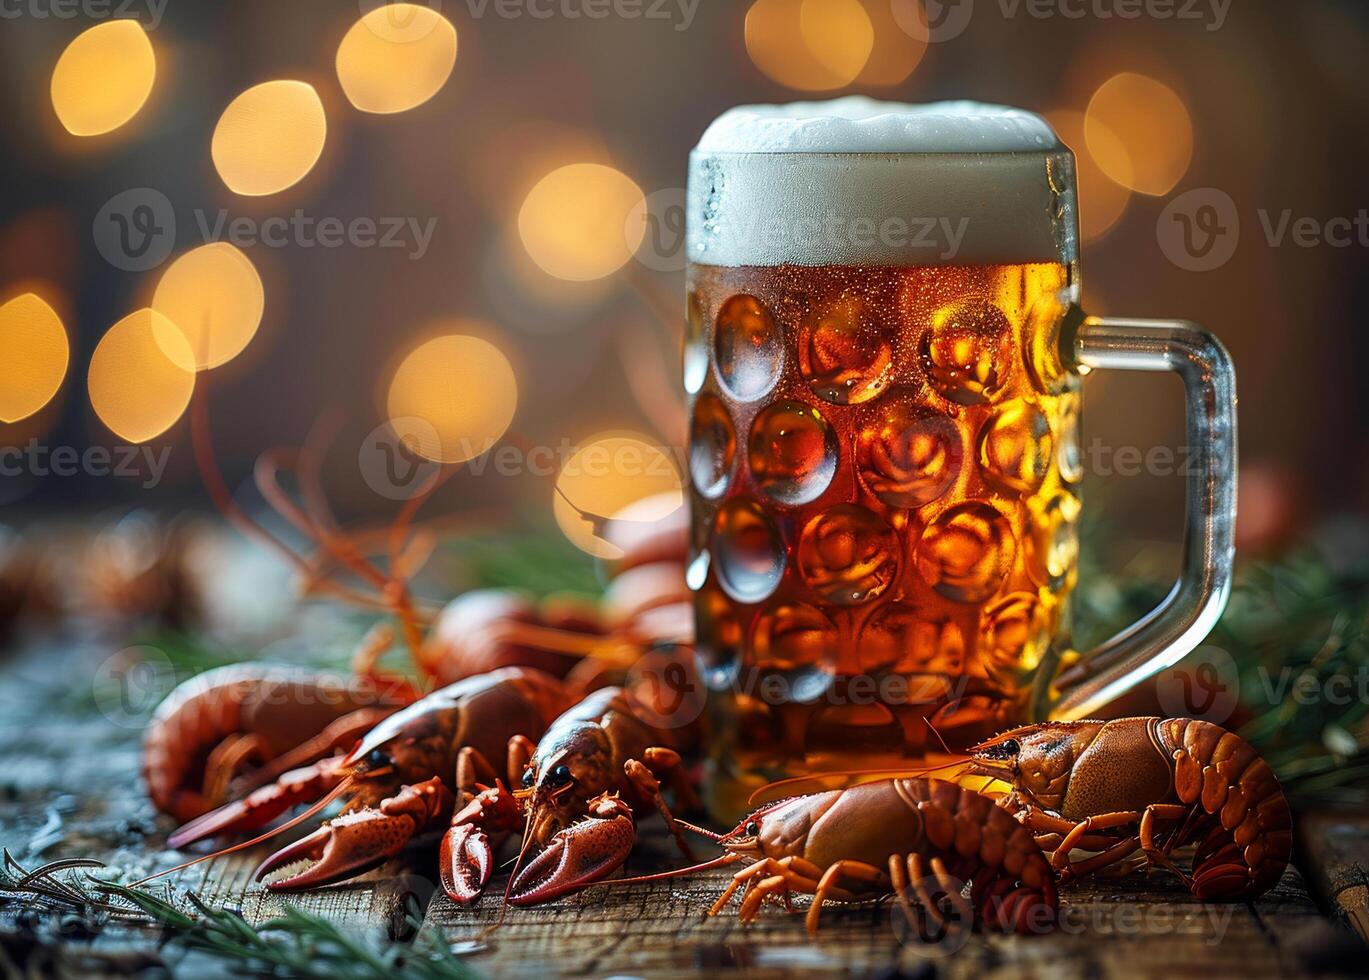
x: 467, y: 862
x: 350, y: 845
x: 579, y: 856
x: 261, y: 806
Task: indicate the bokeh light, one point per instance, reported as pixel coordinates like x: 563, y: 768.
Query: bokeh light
x: 622, y: 476
x: 269, y: 137
x: 34, y: 354
x: 574, y: 223
x: 1102, y: 200
x: 396, y: 57
x: 452, y: 398
x: 896, y: 52
x: 1139, y: 133
x: 103, y: 78
x: 136, y: 388
x: 214, y: 298
x: 810, y: 45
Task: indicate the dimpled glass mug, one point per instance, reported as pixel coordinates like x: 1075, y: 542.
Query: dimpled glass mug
x: 884, y: 360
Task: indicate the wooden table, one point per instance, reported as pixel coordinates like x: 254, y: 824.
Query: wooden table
x: 69, y: 788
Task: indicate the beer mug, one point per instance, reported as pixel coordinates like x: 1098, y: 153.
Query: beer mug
x: 884, y: 358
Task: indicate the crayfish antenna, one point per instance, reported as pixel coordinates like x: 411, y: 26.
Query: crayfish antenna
x: 260, y: 838
x: 717, y: 862
x: 701, y: 831
x: 821, y: 782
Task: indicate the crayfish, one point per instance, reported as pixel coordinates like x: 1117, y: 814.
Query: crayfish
x: 599, y: 766
x: 1148, y: 784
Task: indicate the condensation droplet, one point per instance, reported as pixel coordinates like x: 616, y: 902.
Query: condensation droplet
x: 792, y: 452
x: 845, y: 354
x: 747, y: 550
x: 848, y: 555
x: 712, y: 446
x: 790, y: 635
x: 909, y: 455
x: 747, y: 347
x: 967, y: 352
x: 966, y: 553
x: 1016, y: 448
x: 695, y: 346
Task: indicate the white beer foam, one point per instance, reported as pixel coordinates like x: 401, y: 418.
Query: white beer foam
x: 856, y: 124
x: 855, y: 181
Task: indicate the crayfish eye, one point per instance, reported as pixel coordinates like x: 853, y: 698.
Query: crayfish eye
x: 751, y: 829
x: 378, y: 759
x: 529, y: 777
x: 559, y: 776
x: 1011, y: 747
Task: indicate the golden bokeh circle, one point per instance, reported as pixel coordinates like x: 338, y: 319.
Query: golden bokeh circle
x: 103, y: 78
x: 810, y: 45
x: 215, y: 299
x: 34, y: 354
x: 269, y: 137
x: 1102, y: 200
x: 136, y: 388
x: 452, y: 398
x: 614, y: 476
x: 574, y: 222
x: 396, y: 57
x: 1139, y: 133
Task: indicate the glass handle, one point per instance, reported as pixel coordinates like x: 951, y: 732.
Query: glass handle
x: 1181, y: 622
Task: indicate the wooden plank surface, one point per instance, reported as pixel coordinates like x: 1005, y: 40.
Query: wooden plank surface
x: 69, y: 788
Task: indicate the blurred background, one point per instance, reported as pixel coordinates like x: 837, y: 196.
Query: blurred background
x: 495, y: 179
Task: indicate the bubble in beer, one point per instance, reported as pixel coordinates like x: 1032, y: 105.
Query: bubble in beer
x: 790, y: 635
x: 904, y: 639
x: 966, y: 553
x: 845, y: 354
x: 848, y: 555
x: 907, y: 454
x: 1015, y: 447
x: 695, y: 346
x: 712, y: 446
x: 1015, y: 632
x: 747, y: 348
x: 748, y: 551
x: 792, y: 452
x: 967, y: 352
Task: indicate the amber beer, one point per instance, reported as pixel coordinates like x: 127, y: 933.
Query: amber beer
x: 884, y: 445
